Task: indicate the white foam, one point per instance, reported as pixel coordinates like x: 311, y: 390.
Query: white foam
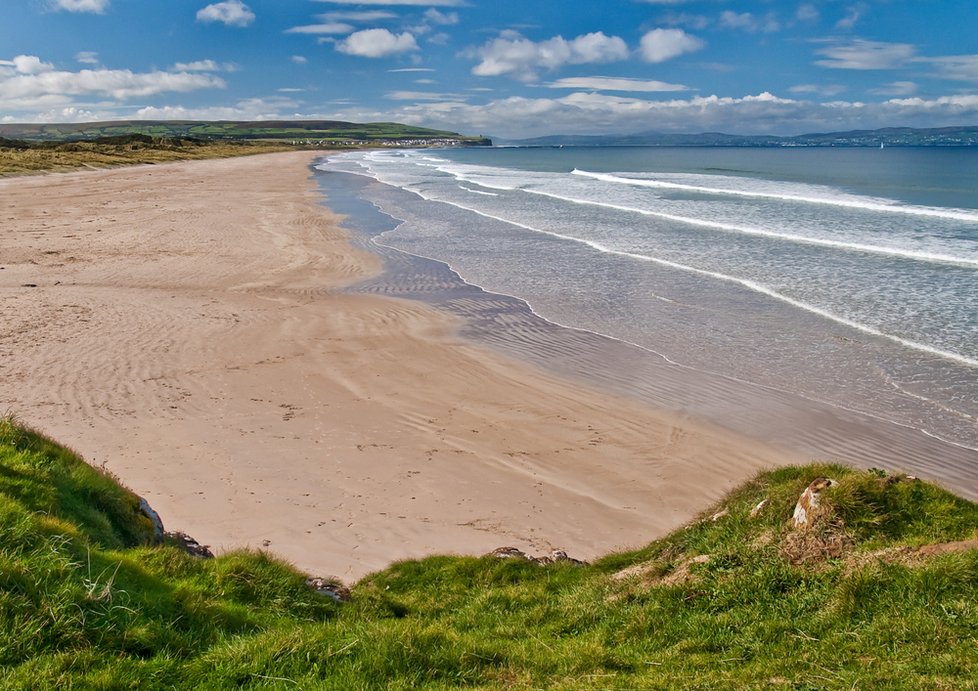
x: 868, y: 204
x: 485, y: 194
x: 747, y: 283
x: 729, y: 227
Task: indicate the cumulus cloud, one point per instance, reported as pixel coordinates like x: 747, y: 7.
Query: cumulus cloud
x: 660, y: 45
x: 94, y: 6
x: 514, y: 55
x: 26, y: 82
x: 229, y: 12
x: 87, y: 57
x: 615, y: 84
x: 247, y: 109
x: 377, y: 43
x: 26, y: 64
x: 764, y: 113
x: 299, y: 59
x: 861, y: 54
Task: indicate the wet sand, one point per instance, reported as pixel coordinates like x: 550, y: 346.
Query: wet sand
x: 190, y: 327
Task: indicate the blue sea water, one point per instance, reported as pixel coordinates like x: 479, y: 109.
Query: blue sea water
x: 846, y: 276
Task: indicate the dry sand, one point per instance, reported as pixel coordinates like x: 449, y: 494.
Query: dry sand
x: 186, y: 331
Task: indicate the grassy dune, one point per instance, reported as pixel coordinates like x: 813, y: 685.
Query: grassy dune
x: 863, y: 598
x: 24, y: 158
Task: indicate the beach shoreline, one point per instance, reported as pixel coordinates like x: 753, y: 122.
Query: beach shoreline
x: 188, y: 327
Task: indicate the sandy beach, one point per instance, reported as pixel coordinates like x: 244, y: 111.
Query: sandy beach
x: 184, y: 326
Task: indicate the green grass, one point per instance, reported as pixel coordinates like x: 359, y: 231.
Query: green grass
x: 86, y: 601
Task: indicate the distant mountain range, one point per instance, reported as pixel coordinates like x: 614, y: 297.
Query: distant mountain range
x: 890, y: 136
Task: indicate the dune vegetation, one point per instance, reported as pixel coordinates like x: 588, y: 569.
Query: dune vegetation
x: 880, y: 590
x: 24, y: 158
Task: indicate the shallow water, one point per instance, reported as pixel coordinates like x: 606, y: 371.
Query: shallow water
x: 755, y: 330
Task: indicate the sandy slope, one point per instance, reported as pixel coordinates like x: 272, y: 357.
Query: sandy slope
x: 186, y: 332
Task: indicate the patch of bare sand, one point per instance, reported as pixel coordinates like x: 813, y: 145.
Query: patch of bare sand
x: 186, y: 332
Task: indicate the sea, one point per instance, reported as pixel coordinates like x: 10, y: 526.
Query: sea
x: 738, y: 284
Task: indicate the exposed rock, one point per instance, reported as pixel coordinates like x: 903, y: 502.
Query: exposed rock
x: 757, y: 510
x: 807, y: 508
x: 191, y: 546
x: 329, y: 587
x: 556, y: 556
x: 151, y: 514
x: 508, y: 553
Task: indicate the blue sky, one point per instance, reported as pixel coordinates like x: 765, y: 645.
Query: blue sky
x: 497, y: 67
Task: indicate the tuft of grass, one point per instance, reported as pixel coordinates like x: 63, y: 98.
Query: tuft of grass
x: 87, y: 601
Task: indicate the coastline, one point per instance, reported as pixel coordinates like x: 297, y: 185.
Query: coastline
x: 813, y: 428
x: 187, y: 327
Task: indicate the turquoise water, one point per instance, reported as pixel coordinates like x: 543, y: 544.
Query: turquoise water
x: 847, y: 276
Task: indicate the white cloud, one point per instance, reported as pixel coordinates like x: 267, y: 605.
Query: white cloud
x: 861, y: 54
x: 615, y: 84
x: 422, y: 96
x: 517, y: 56
x: 95, y: 6
x: 377, y: 43
x: 748, y: 22
x: 300, y: 59
x: 828, y: 90
x: 248, y: 109
x: 205, y: 66
x: 87, y: 57
x: 807, y: 12
x: 693, y: 21
x: 436, y: 17
x: 853, y: 14
x: 423, y: 3
x: 27, y: 64
x: 660, y: 45
x: 896, y: 89
x: 412, y: 69
x: 229, y: 12
x: 957, y: 67
x: 28, y: 83
x: 366, y: 16
x: 329, y: 28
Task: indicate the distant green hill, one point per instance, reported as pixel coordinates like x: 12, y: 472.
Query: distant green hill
x: 304, y: 131
x: 890, y: 136
x: 880, y: 591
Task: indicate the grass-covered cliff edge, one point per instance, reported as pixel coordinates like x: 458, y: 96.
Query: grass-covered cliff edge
x: 880, y: 591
